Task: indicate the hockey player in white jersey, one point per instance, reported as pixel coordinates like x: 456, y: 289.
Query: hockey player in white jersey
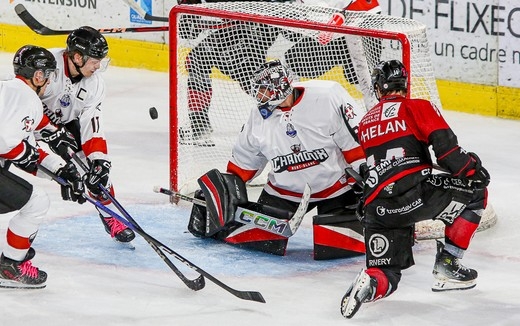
x: 75, y: 102
x: 22, y: 114
x: 306, y: 133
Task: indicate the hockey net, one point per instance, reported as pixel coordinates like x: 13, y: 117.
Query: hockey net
x: 216, y: 47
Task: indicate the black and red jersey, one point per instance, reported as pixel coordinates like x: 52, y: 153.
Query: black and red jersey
x: 395, y: 136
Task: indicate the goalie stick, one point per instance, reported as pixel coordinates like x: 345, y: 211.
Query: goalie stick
x: 195, y: 285
x: 158, y: 246
x: 41, y: 29
x: 282, y: 227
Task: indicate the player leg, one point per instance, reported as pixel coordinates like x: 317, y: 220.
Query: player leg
x: 388, y: 251
x: 448, y: 271
x: 16, y: 269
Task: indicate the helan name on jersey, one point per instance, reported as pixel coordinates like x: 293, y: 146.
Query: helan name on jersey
x: 299, y: 161
x: 383, y: 129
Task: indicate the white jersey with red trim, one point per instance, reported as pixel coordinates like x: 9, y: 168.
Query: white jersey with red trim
x: 22, y: 114
x: 21, y: 111
x: 65, y: 101
x: 306, y: 143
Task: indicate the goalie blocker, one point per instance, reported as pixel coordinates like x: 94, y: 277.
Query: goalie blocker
x: 335, y: 235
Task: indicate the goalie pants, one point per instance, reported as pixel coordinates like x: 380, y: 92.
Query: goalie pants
x: 389, y: 222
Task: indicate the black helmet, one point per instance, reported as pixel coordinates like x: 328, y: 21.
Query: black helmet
x: 87, y: 41
x: 275, y: 78
x: 390, y: 76
x: 30, y: 58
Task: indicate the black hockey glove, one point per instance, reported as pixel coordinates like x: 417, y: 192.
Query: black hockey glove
x: 75, y: 189
x: 60, y: 141
x: 29, y: 159
x: 478, y: 176
x: 98, y: 175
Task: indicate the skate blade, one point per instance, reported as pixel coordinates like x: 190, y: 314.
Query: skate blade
x: 124, y: 245
x: 349, y: 303
x: 442, y: 285
x: 10, y: 284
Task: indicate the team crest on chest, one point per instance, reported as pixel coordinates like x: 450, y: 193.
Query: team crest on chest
x: 291, y: 132
x: 65, y: 101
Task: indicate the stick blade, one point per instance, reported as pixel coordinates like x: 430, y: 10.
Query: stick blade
x: 251, y: 296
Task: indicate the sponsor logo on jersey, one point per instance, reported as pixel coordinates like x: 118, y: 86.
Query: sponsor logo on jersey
x: 299, y: 160
x: 378, y: 245
x: 381, y: 210
x: 27, y: 124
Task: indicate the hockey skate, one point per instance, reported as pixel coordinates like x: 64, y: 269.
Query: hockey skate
x: 198, y: 133
x: 361, y: 290
x: 21, y: 274
x: 450, y: 274
x: 116, y: 229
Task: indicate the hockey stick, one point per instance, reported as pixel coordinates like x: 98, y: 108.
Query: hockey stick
x: 244, y: 295
x: 156, y: 245
x: 195, y: 285
x: 141, y: 12
x: 41, y: 29
x: 278, y: 226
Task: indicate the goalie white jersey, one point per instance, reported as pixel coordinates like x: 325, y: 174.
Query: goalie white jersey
x: 311, y: 142
x: 65, y: 101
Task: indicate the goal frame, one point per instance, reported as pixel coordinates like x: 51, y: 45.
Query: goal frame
x: 283, y: 22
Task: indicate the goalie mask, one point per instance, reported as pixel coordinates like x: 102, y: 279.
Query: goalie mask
x: 271, y: 85
x: 389, y: 76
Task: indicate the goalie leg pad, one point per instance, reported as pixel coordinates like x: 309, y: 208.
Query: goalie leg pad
x: 249, y: 237
x: 337, y: 236
x: 223, y: 193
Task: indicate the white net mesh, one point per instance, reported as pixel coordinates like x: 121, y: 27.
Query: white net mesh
x: 215, y: 49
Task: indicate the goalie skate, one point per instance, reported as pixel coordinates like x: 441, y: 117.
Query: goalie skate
x: 449, y: 274
x: 361, y: 290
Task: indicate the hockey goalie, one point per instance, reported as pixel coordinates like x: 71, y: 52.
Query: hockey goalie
x: 306, y: 132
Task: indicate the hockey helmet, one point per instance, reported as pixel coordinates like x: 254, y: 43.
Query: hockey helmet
x: 30, y: 58
x: 390, y: 76
x: 88, y: 42
x: 270, y: 86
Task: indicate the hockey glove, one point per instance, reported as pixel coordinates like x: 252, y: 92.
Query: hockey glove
x: 28, y: 160
x: 60, y: 141
x: 74, y: 189
x: 97, y: 175
x: 478, y: 176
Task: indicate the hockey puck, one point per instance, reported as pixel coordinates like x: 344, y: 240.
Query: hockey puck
x: 153, y: 113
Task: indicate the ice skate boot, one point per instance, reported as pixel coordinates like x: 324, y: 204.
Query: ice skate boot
x: 450, y: 274
x: 21, y: 274
x: 362, y: 290
x: 199, y: 131
x: 116, y: 229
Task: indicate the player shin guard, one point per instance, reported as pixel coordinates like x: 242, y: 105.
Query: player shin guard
x: 337, y: 236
